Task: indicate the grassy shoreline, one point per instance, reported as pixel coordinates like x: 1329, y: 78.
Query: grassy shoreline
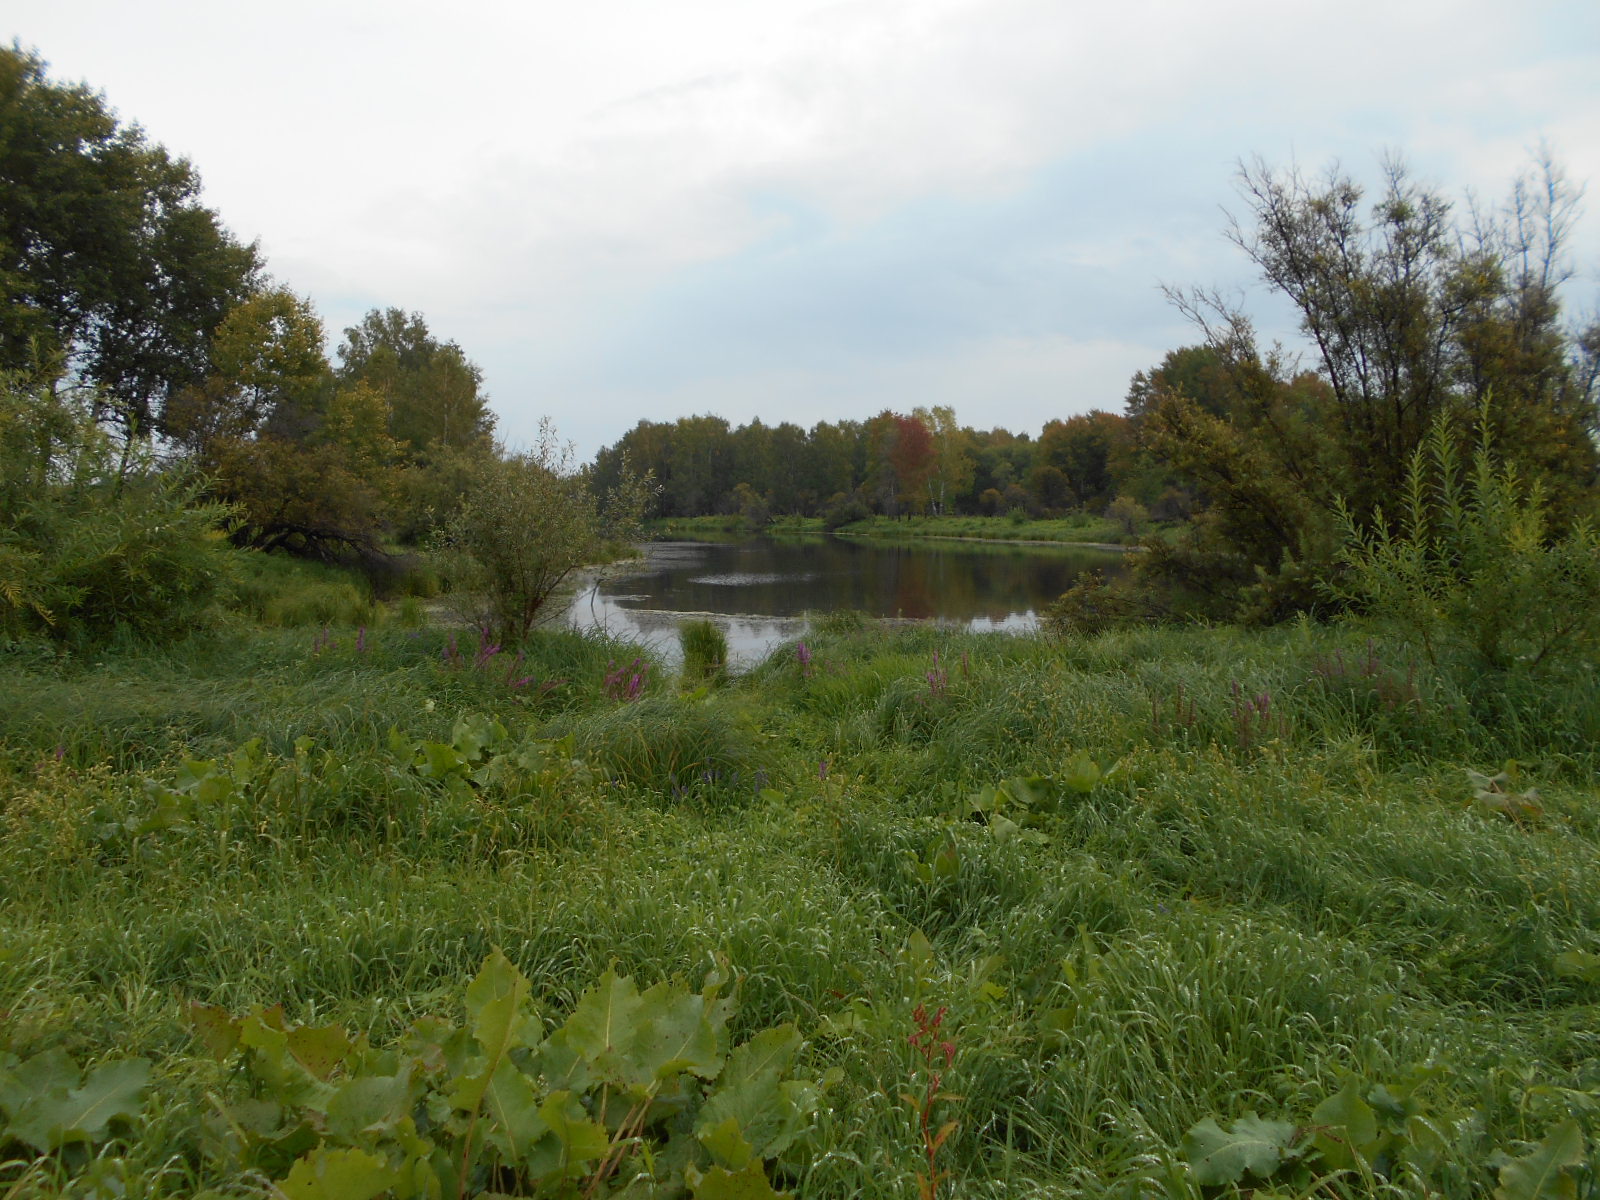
x: 1151, y: 878
x: 1075, y: 531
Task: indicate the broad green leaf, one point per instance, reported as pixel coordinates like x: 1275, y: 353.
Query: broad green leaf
x: 495, y: 1006
x: 213, y: 1027
x: 400, y: 746
x: 475, y: 733
x: 769, y: 1113
x: 345, y: 1174
x: 573, y: 1142
x: 1391, y: 1110
x: 987, y: 799
x: 726, y: 1143
x: 672, y: 1033
x: 604, y: 1018
x: 52, y: 1072
x: 1346, y: 1128
x: 370, y: 1103
x: 1252, y: 1145
x: 512, y: 1105
x: 265, y: 1033
x: 1055, y: 1024
x: 946, y: 861
x: 1542, y: 1174
x: 1081, y: 774
x: 172, y: 811
x: 1579, y: 965
x: 718, y: 1184
x: 318, y: 1049
x: 436, y: 760
x: 53, y: 1118
x: 270, y: 1041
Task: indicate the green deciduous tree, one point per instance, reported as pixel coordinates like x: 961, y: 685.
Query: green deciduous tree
x: 109, y: 263
x: 269, y: 375
x: 434, y: 392
x: 1082, y: 449
x: 952, y: 470
x: 1411, y: 313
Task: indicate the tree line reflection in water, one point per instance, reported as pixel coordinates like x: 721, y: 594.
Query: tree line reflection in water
x: 983, y: 584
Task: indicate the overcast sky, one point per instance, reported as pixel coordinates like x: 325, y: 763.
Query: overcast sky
x: 804, y: 211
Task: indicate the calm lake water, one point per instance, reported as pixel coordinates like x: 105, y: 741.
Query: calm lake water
x: 760, y: 590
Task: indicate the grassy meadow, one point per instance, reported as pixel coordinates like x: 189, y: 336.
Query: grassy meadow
x: 1177, y: 913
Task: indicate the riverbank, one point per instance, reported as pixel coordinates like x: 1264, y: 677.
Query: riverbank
x: 1142, y: 888
x: 1078, y: 530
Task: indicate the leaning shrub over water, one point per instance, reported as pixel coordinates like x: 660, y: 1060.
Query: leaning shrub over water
x: 526, y: 522
x: 1092, y: 605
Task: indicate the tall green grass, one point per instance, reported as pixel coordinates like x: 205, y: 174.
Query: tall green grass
x: 705, y: 652
x: 1250, y: 903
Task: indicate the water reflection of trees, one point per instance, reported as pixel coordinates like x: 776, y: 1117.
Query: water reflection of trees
x: 785, y: 578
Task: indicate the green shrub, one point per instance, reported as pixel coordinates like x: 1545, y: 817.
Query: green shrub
x: 97, y: 537
x: 526, y: 522
x: 844, y: 510
x: 1472, y: 564
x: 1092, y: 605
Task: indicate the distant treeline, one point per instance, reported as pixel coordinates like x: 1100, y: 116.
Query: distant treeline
x: 1443, y: 391
x: 896, y: 464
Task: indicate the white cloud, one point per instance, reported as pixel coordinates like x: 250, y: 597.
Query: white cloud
x: 529, y: 174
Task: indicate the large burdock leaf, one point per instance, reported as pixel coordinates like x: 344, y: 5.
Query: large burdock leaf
x: 1252, y: 1145
x: 603, y: 1021
x: 319, y: 1049
x: 56, y: 1113
x: 495, y: 1002
x: 512, y: 1105
x: 43, y: 1074
x: 1346, y: 1128
x: 636, y: 1041
x: 369, y: 1104
x: 1542, y: 1174
x: 755, y: 1111
x: 338, y: 1175
x: 718, y: 1184
x: 213, y: 1028
x: 575, y: 1140
x: 497, y: 1014
x: 673, y: 1033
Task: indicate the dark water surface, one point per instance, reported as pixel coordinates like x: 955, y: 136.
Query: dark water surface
x: 761, y: 589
